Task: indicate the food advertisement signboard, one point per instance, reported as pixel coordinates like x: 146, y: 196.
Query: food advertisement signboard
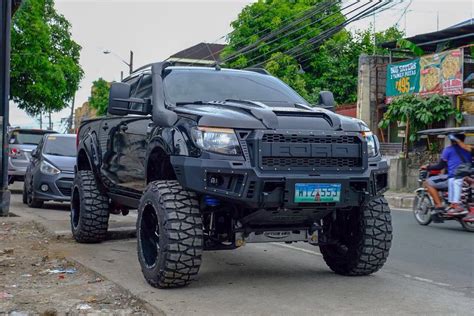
x: 403, y: 77
x: 440, y: 73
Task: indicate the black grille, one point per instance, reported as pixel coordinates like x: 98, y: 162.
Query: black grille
x: 294, y: 138
x: 306, y: 163
x: 65, y: 191
x: 65, y: 186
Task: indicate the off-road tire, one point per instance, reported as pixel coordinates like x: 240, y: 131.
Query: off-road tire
x: 366, y: 244
x: 170, y: 235
x: 30, y: 200
x: 89, y: 209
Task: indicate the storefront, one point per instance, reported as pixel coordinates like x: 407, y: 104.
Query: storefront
x: 446, y: 68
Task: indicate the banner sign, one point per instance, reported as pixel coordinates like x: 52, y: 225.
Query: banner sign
x: 440, y: 73
x: 403, y: 78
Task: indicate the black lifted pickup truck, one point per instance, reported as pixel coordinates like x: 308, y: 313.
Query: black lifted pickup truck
x: 215, y: 158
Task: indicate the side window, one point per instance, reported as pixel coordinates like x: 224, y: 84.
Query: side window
x: 144, y: 88
x: 143, y: 91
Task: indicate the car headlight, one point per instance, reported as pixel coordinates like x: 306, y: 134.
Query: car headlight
x: 218, y: 140
x: 49, y: 169
x: 372, y: 144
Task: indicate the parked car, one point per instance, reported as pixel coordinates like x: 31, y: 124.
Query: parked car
x: 215, y: 158
x: 50, y: 173
x: 20, y: 144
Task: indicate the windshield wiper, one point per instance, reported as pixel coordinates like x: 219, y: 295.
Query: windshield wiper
x: 190, y: 102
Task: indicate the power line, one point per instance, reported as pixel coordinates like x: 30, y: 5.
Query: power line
x: 300, y: 37
x: 297, y: 51
x: 364, y: 14
x: 296, y: 15
x: 309, y: 14
x: 230, y: 33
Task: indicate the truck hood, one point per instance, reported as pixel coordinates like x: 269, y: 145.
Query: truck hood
x: 255, y: 115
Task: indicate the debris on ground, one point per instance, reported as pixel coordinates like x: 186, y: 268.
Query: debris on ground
x: 37, y: 278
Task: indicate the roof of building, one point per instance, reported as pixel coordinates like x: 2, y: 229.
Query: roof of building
x: 458, y: 35
x: 202, y: 51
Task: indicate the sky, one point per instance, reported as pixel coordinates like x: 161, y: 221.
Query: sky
x: 156, y: 29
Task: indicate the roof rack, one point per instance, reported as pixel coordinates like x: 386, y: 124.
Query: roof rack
x: 262, y: 71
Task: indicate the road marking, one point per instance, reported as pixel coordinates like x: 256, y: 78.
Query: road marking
x: 314, y: 253
x: 425, y: 280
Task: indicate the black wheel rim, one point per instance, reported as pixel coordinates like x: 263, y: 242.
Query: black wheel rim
x: 149, y: 236
x: 75, y: 207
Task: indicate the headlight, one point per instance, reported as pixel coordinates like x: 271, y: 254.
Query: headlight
x: 218, y: 140
x: 49, y: 169
x: 372, y: 144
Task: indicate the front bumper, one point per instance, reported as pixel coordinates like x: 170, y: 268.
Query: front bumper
x: 59, y: 187
x: 241, y: 183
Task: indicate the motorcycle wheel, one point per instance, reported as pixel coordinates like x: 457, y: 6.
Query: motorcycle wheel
x: 422, y: 206
x: 469, y: 227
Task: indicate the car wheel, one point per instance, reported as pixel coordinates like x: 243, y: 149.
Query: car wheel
x: 170, y: 235
x: 24, y: 197
x: 89, y: 209
x: 361, y: 239
x: 30, y: 200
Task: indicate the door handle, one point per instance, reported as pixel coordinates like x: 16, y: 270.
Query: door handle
x: 105, y: 127
x: 123, y: 128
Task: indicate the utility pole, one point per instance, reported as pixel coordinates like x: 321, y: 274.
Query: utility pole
x: 5, y: 21
x: 437, y: 20
x: 50, y: 125
x: 71, y: 118
x: 130, y: 65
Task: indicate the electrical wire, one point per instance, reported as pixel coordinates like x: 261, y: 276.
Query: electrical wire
x: 324, y: 6
x: 300, y: 19
x: 300, y: 37
x: 297, y: 52
x: 311, y: 40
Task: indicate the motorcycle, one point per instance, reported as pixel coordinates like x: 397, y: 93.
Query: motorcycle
x: 423, y: 204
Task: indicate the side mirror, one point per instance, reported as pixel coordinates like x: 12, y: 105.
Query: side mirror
x: 120, y: 102
x: 326, y: 100
x: 34, y: 153
x: 119, y: 92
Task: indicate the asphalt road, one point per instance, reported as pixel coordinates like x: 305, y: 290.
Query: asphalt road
x: 430, y: 270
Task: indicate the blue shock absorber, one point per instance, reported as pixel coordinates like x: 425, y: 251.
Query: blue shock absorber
x: 210, y: 201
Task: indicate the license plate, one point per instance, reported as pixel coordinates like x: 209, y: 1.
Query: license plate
x: 317, y: 192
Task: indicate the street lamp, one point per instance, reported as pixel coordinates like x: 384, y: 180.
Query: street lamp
x: 129, y: 64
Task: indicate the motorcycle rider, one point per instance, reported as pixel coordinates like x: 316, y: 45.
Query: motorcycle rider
x: 449, y: 161
x: 469, y: 179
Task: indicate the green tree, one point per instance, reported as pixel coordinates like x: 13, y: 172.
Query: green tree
x: 99, y: 98
x: 333, y: 65
x: 45, y: 69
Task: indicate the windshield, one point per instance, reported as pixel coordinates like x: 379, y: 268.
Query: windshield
x: 25, y: 137
x: 60, y: 146
x: 207, y: 85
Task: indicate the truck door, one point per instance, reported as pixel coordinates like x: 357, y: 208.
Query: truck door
x: 133, y: 131
x: 113, y: 143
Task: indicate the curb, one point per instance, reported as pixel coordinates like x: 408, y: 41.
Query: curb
x: 400, y: 202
